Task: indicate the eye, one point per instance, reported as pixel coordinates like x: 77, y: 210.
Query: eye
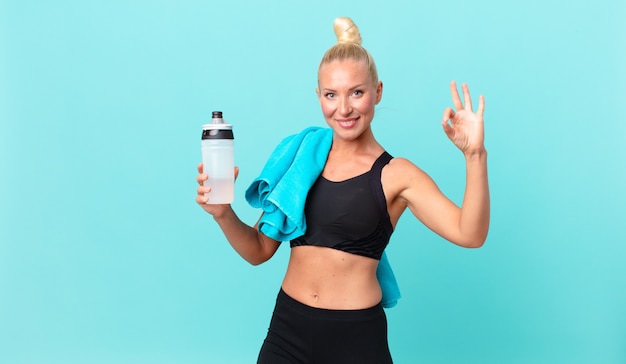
x: 329, y: 95
x: 357, y: 93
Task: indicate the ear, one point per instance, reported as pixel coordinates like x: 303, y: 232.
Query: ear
x: 379, y: 92
x: 317, y: 92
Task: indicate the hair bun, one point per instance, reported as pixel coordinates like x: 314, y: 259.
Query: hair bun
x: 346, y: 31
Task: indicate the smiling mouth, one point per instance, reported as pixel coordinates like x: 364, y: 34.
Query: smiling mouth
x: 347, y: 123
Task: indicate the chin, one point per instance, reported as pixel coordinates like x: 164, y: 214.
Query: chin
x: 348, y: 134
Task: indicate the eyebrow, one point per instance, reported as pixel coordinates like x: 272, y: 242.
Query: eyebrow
x: 350, y: 89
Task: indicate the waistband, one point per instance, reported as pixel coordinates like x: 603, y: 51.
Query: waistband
x: 324, y: 313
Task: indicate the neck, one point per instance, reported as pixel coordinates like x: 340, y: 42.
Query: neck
x: 364, y: 144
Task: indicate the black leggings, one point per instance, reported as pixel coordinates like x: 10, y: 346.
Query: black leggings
x: 306, y: 335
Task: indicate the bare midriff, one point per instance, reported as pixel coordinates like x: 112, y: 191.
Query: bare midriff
x: 332, y: 279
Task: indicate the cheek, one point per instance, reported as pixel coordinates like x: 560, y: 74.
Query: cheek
x: 366, y: 104
x: 327, y: 108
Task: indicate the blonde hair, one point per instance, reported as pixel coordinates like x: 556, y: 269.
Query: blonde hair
x: 349, y: 47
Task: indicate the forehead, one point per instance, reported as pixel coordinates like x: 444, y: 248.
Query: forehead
x: 343, y: 73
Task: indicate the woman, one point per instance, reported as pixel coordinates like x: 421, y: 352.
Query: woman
x: 328, y: 309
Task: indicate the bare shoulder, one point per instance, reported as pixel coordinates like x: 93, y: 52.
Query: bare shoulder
x: 404, y: 173
x: 407, y: 186
x: 402, y: 180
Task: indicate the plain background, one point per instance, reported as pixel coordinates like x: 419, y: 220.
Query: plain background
x: 106, y: 258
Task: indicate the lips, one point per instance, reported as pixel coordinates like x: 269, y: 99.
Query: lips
x: 347, y: 123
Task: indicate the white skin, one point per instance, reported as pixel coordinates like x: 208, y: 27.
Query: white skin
x: 329, y: 278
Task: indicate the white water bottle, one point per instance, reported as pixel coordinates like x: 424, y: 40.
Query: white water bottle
x: 219, y: 159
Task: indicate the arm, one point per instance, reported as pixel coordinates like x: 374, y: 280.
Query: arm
x: 467, y: 225
x: 248, y: 242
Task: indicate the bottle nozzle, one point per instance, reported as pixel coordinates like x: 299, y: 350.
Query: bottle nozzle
x: 217, y: 118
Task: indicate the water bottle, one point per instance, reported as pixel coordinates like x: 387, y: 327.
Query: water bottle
x: 219, y: 160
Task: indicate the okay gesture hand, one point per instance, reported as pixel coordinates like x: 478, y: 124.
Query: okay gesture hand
x: 464, y: 127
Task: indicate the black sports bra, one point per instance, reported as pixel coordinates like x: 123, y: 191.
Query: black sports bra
x: 350, y: 215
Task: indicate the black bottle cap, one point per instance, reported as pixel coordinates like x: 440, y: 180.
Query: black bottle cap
x: 217, y: 114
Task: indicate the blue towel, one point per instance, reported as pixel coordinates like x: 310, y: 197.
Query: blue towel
x: 282, y: 187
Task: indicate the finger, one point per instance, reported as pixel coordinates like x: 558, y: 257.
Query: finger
x: 466, y: 96
x: 481, y: 106
x: 201, y: 200
x: 236, y: 172
x: 201, y: 178
x: 203, y: 189
x: 200, y: 167
x: 456, y: 100
x: 448, y: 129
x: 448, y: 114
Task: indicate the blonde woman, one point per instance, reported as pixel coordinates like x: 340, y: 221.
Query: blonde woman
x: 329, y: 307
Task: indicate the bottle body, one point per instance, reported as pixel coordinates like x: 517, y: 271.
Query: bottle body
x: 219, y: 165
x: 218, y: 158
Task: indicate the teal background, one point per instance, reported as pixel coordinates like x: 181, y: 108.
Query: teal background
x: 106, y: 258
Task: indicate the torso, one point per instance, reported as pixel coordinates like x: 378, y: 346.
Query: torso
x: 349, y: 215
x: 330, y: 278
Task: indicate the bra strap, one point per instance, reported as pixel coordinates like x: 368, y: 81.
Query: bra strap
x: 377, y: 188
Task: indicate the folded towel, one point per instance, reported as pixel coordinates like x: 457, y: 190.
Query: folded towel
x: 282, y: 187
x: 388, y: 283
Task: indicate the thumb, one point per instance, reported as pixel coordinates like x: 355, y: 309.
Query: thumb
x: 448, y: 129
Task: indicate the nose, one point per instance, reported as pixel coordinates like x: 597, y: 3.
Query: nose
x: 344, y: 106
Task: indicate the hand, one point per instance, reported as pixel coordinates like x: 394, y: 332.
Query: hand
x: 464, y: 127
x: 201, y: 199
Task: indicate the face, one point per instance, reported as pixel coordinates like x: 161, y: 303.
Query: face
x: 348, y: 97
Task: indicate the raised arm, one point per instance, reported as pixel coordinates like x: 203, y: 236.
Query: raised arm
x: 248, y: 242
x: 466, y: 225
